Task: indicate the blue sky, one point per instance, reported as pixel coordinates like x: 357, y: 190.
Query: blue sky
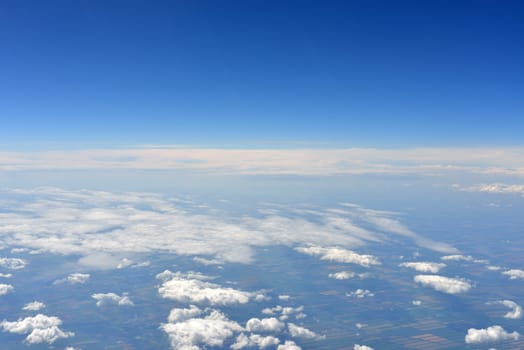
x: 87, y: 74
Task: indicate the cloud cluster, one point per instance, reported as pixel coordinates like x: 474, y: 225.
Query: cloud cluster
x: 33, y: 306
x: 254, y: 340
x: 360, y: 293
x: 490, y: 334
x: 211, y: 330
x: 270, y: 324
x: 424, y: 266
x: 40, y: 329
x: 443, y: 284
x: 340, y: 255
x: 103, y: 299
x: 103, y: 228
x: 301, y: 332
x: 193, y: 289
x: 514, y: 274
x: 285, y: 312
x: 5, y: 288
x: 13, y: 263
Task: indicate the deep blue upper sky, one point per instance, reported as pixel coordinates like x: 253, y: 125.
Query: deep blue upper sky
x: 236, y: 73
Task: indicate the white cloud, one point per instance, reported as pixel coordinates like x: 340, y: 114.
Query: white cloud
x: 284, y: 297
x: 179, y: 315
x: 205, y: 261
x: 185, y: 289
x: 13, y: 263
x: 490, y: 334
x: 417, y: 302
x: 6, y: 275
x: 111, y: 298
x: 457, y: 257
x: 264, y: 325
x: 289, y: 345
x: 424, y: 266
x: 516, y: 309
x: 300, y: 332
x: 495, y: 188
x: 342, y: 275
x: 360, y: 293
x: 362, y: 347
x: 103, y: 227
x: 34, y: 306
x: 340, y: 255
x: 285, y: 312
x: 40, y: 329
x: 254, y: 340
x: 78, y: 278
x: 514, y: 274
x: 443, y: 284
x: 211, y: 330
x: 5, y: 288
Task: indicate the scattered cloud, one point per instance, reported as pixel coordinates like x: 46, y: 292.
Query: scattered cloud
x: 193, y: 289
x: 340, y: 255
x: 13, y: 263
x: 457, y: 257
x: 416, y: 302
x: 285, y: 312
x: 516, y: 309
x: 6, y: 275
x: 34, y: 306
x: 103, y: 299
x: 289, y: 345
x: 40, y: 329
x: 301, y: 332
x: 360, y: 293
x: 342, y: 275
x: 494, y: 188
x: 284, y: 297
x: 179, y: 315
x: 424, y: 266
x: 78, y: 278
x: 211, y: 330
x: 443, y: 284
x: 5, y: 288
x: 362, y: 347
x: 271, y: 324
x: 514, y: 274
x: 205, y: 261
x: 254, y: 340
x: 490, y: 334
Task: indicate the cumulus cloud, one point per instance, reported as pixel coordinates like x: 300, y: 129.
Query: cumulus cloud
x: 362, y: 347
x: 192, y: 333
x: 254, y: 340
x: 192, y: 289
x: 271, y: 324
x: 424, y: 266
x: 490, y: 334
x: 285, y: 312
x: 342, y: 275
x: 34, y: 306
x: 102, y: 227
x: 103, y: 299
x: 179, y: 315
x: 289, y: 345
x: 340, y: 255
x: 360, y: 293
x: 301, y: 332
x: 78, y: 278
x: 5, y: 288
x: 6, y: 275
x: 516, y: 309
x: 443, y: 284
x: 13, y: 263
x: 514, y: 274
x: 40, y: 329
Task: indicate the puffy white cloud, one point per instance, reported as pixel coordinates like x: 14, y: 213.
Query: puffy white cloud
x: 13, y: 263
x: 112, y: 298
x: 285, y: 312
x: 34, y: 306
x: 342, y: 275
x: 188, y: 289
x: 289, y: 345
x: 490, y: 334
x: 5, y: 288
x: 103, y: 227
x: 40, y: 329
x: 340, y: 255
x: 6, y: 275
x: 211, y: 330
x: 516, y: 309
x: 301, y: 332
x: 360, y: 293
x: 178, y: 315
x: 424, y: 266
x: 514, y: 274
x: 362, y: 347
x: 443, y: 284
x: 254, y: 340
x: 457, y: 257
x: 271, y: 324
